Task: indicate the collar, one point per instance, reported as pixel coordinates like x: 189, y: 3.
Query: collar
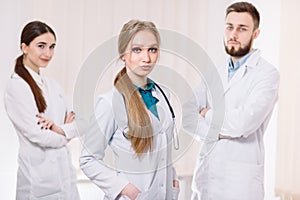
x: 149, y: 88
x: 235, y: 66
x: 36, y: 77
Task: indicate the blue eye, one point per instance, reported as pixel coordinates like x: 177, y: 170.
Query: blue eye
x: 136, y: 50
x: 153, y: 50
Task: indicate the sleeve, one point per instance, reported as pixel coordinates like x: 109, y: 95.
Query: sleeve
x: 102, y: 127
x: 21, y: 109
x: 175, y: 177
x: 192, y: 121
x: 70, y: 129
x: 247, y: 118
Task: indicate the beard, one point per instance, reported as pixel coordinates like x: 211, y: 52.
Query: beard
x: 240, y: 52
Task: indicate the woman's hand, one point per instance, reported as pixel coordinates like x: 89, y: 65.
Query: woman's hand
x: 70, y: 117
x: 130, y: 191
x: 49, y: 124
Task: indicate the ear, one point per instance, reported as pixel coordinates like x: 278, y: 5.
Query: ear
x: 256, y: 33
x: 24, y: 48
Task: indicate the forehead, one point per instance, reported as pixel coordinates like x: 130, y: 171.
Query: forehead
x: 241, y: 18
x: 144, y: 38
x: 47, y: 38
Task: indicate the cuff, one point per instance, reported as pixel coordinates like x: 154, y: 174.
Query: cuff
x: 208, y: 116
x: 70, y: 130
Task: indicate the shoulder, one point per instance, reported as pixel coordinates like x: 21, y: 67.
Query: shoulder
x: 18, y: 91
x: 267, y: 70
x: 108, y: 96
x: 108, y: 100
x: 267, y: 66
x: 261, y: 67
x: 16, y: 85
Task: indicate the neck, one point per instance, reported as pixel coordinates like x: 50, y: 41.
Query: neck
x: 137, y: 80
x: 34, y: 68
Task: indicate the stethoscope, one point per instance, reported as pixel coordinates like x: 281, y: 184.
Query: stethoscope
x: 175, y: 133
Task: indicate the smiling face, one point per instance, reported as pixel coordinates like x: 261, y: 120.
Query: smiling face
x: 39, y: 52
x: 239, y: 34
x: 141, y: 55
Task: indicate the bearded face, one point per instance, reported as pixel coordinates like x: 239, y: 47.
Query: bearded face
x: 237, y: 50
x: 239, y: 34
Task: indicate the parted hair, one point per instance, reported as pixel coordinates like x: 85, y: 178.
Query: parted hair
x: 140, y: 130
x: 30, y: 32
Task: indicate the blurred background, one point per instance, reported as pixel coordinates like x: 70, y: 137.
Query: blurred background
x: 82, y: 26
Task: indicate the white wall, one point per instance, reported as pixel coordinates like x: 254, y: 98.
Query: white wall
x: 9, y: 141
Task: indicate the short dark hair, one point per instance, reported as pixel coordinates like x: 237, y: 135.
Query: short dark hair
x: 245, y: 7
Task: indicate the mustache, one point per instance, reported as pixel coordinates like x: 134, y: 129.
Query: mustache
x: 232, y: 40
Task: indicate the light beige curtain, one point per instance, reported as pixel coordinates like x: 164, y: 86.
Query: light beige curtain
x: 288, y: 148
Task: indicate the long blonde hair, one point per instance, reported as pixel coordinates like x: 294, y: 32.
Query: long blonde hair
x: 140, y: 130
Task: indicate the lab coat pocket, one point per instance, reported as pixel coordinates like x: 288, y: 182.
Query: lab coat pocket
x: 45, y: 179
x: 243, y: 181
x: 144, y: 196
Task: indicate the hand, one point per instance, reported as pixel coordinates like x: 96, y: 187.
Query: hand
x: 70, y: 117
x: 49, y: 124
x: 203, y: 111
x: 130, y: 191
x: 176, y: 184
x: 224, y: 137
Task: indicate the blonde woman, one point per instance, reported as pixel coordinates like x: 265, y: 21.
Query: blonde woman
x: 134, y: 119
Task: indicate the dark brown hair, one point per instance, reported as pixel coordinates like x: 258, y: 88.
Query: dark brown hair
x: 245, y: 7
x: 30, y: 31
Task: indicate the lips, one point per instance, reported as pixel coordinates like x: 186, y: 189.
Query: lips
x: 230, y: 42
x: 45, y: 60
x: 146, y: 67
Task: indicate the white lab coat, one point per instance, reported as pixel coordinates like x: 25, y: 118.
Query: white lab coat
x: 234, y: 168
x: 152, y: 174
x: 45, y: 170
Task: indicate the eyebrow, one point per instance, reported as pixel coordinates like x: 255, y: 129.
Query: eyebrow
x: 45, y: 43
x: 41, y: 43
x: 142, y: 45
x: 240, y: 25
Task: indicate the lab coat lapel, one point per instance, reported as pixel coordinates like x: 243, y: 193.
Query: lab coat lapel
x: 236, y: 77
x: 156, y: 123
x: 250, y: 63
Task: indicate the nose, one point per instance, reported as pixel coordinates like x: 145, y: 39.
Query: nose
x: 233, y: 34
x: 48, y: 53
x: 146, y: 56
